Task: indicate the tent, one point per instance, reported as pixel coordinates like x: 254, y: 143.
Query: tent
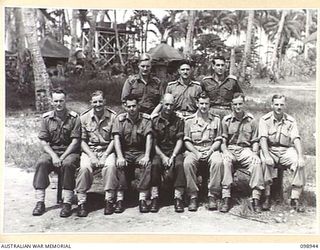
x: 50, y: 48
x: 165, y: 53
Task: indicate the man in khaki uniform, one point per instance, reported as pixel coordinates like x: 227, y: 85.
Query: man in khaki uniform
x: 185, y: 92
x: 202, y: 141
x: 220, y: 87
x: 133, y: 140
x: 97, y: 152
x: 281, y: 147
x: 241, y: 146
x: 60, y: 138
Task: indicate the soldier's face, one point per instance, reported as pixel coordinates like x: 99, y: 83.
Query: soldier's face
x: 167, y: 105
x: 59, y: 102
x: 238, y: 104
x: 132, y: 107
x: 203, y: 105
x: 219, y: 67
x: 145, y: 68
x: 97, y: 103
x: 184, y: 71
x: 278, y: 105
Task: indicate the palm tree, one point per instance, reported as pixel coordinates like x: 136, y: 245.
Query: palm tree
x: 92, y: 31
x: 41, y: 79
x: 74, y: 38
x: 190, y: 33
x: 247, y: 45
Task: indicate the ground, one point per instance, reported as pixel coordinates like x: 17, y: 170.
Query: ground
x: 19, y: 196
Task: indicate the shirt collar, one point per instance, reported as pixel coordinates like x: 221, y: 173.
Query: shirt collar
x: 233, y: 117
x: 105, y: 114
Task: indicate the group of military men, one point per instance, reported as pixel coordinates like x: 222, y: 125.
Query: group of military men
x: 172, y: 131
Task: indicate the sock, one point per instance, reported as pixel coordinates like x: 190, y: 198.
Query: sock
x: 82, y: 198
x: 178, y: 193
x: 67, y: 196
x: 143, y: 195
x: 211, y: 194
x: 295, y: 192
x: 154, y: 192
x: 109, y: 196
x: 120, y: 195
x: 226, y: 193
x: 256, y: 194
x: 267, y: 190
x: 193, y: 195
x: 40, y: 194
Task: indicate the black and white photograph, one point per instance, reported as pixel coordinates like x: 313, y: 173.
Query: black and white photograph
x: 160, y: 121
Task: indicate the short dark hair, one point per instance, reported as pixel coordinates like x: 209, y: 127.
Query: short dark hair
x: 238, y: 94
x: 58, y: 91
x: 131, y: 97
x: 218, y: 58
x: 97, y: 93
x: 203, y: 95
x: 277, y: 96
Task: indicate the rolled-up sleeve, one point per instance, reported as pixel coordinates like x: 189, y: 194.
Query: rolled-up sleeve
x: 126, y: 89
x: 116, y: 127
x: 44, y: 132
x: 148, y: 128
x: 294, y: 132
x: 76, y: 130
x: 180, y: 129
x: 263, y: 129
x: 255, y: 132
x: 187, y: 134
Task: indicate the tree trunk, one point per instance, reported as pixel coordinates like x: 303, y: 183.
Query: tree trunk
x: 20, y: 42
x: 190, y: 33
x: 41, y: 79
x: 306, y: 45
x: 72, y: 57
x: 118, y: 49
x: 9, y: 33
x: 277, y: 48
x: 247, y: 47
x: 232, y: 70
x: 92, y: 31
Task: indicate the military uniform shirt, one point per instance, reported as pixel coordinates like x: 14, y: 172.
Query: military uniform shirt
x: 240, y: 132
x: 278, y: 133
x: 148, y: 93
x: 184, y: 95
x: 132, y: 134
x: 97, y: 134
x: 167, y: 131
x: 200, y: 133
x: 58, y: 133
x: 220, y: 94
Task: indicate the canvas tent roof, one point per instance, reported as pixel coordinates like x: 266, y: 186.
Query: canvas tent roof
x: 51, y: 48
x: 164, y: 52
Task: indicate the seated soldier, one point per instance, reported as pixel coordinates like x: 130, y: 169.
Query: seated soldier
x: 60, y: 138
x: 97, y: 152
x: 281, y: 148
x: 202, y: 141
x: 132, y: 133
x: 241, y: 146
x: 168, y: 133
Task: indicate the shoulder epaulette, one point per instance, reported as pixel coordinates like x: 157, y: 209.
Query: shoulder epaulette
x: 74, y: 114
x: 207, y: 77
x: 227, y: 117
x: 152, y: 116
x: 267, y: 116
x: 133, y: 77
x: 171, y: 83
x: 189, y: 117
x: 196, y: 82
x: 156, y: 79
x: 290, y: 118
x: 112, y: 111
x: 122, y: 117
x: 47, y: 114
x: 146, y: 116
x: 250, y: 115
x: 86, y: 111
x: 232, y: 77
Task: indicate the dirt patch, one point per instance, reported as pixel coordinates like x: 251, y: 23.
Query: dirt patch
x: 19, y: 202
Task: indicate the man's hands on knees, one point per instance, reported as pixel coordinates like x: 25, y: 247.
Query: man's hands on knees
x: 56, y: 161
x: 121, y: 162
x: 145, y: 160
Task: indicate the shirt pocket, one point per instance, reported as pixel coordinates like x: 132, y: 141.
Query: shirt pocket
x: 272, y: 134
x: 106, y: 133
x: 285, y: 135
x: 137, y: 90
x: 196, y: 134
x: 247, y: 132
x: 212, y: 130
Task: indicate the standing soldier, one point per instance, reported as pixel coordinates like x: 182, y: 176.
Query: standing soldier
x: 60, y: 137
x: 220, y: 87
x: 133, y: 144
x: 185, y: 92
x: 97, y: 152
x: 168, y: 131
x: 241, y: 146
x: 146, y: 87
x: 202, y: 141
x: 281, y: 147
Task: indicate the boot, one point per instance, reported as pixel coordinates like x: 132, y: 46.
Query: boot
x: 193, y: 205
x: 266, y: 204
x: 256, y: 205
x: 225, y: 205
x: 39, y: 209
x: 212, y: 204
